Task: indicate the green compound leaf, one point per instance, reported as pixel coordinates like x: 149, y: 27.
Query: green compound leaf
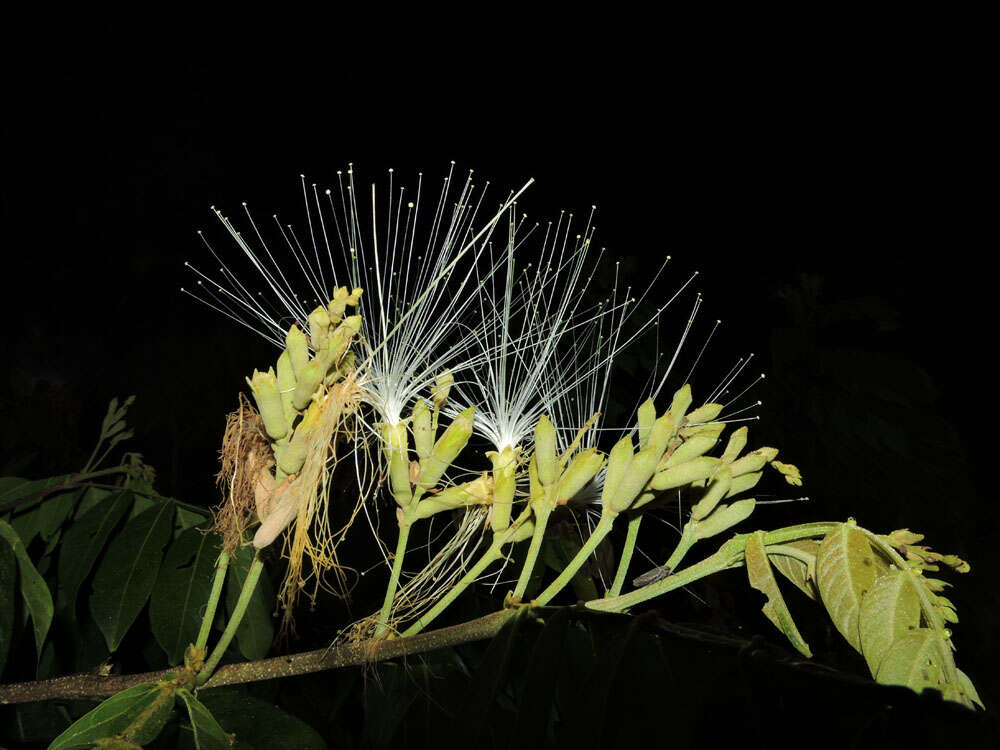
x: 890, y: 610
x: 114, y: 716
x: 36, y: 593
x: 803, y: 575
x: 256, y: 630
x: 762, y: 578
x: 181, y: 591
x: 125, y: 577
x: 845, y: 571
x: 83, y: 542
x: 208, y: 735
x: 912, y: 661
x: 8, y: 587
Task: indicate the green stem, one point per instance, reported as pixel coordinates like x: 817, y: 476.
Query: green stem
x: 601, y: 531
x: 721, y: 560
x: 626, y: 558
x: 687, y: 540
x: 542, y: 511
x: 221, y: 565
x: 234, y: 621
x: 495, y: 552
x: 397, y: 567
x: 729, y: 555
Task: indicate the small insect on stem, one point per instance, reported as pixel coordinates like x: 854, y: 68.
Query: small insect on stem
x: 651, y: 576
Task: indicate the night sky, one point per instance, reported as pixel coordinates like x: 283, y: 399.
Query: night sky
x: 858, y: 171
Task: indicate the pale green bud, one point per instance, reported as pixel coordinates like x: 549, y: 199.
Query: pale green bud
x: 580, y: 471
x: 446, y: 449
x: 680, y: 404
x: 693, y: 447
x: 355, y: 296
x: 442, y: 387
x: 545, y: 451
x: 737, y: 442
x: 709, y: 428
x: 395, y: 446
x: 335, y: 309
x: 537, y: 492
x: 423, y: 435
x: 308, y: 383
x: 640, y: 471
x: 754, y: 461
x: 743, y: 483
x: 504, y: 486
x: 298, y: 349
x: 319, y: 327
x: 693, y: 471
x: 725, y: 517
x: 525, y: 531
x: 286, y: 385
x: 477, y: 492
x: 716, y: 491
x: 292, y: 454
x: 619, y: 460
x: 704, y: 413
x: 646, y: 417
x: 264, y: 386
x: 660, y: 433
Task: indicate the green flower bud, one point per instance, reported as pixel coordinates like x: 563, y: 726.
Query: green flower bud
x: 704, y: 413
x: 264, y: 386
x: 646, y: 417
x: 690, y: 448
x: 580, y: 471
x: 678, y: 476
x: 525, y: 531
x: 446, y: 449
x: 423, y: 435
x: 319, y: 327
x: 545, y: 451
x: 477, y: 492
x: 337, y: 305
x: 298, y: 349
x: 743, y: 483
x: 308, y: 383
x: 714, y: 429
x: 640, y: 471
x: 660, y: 433
x: 716, y: 491
x: 442, y: 387
x: 754, y: 461
x: 680, y: 404
x: 725, y: 517
x: 504, y: 485
x: 291, y: 455
x: 619, y: 460
x: 395, y: 446
x: 537, y: 492
x: 286, y: 386
x: 737, y: 442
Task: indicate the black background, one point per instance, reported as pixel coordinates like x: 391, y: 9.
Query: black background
x: 856, y: 158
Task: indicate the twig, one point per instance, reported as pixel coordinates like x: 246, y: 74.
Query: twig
x: 88, y: 685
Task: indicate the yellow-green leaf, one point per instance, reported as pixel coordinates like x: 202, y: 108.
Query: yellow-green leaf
x: 796, y: 571
x: 890, y: 610
x: 114, y: 716
x: 912, y: 661
x: 762, y: 578
x: 845, y: 571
